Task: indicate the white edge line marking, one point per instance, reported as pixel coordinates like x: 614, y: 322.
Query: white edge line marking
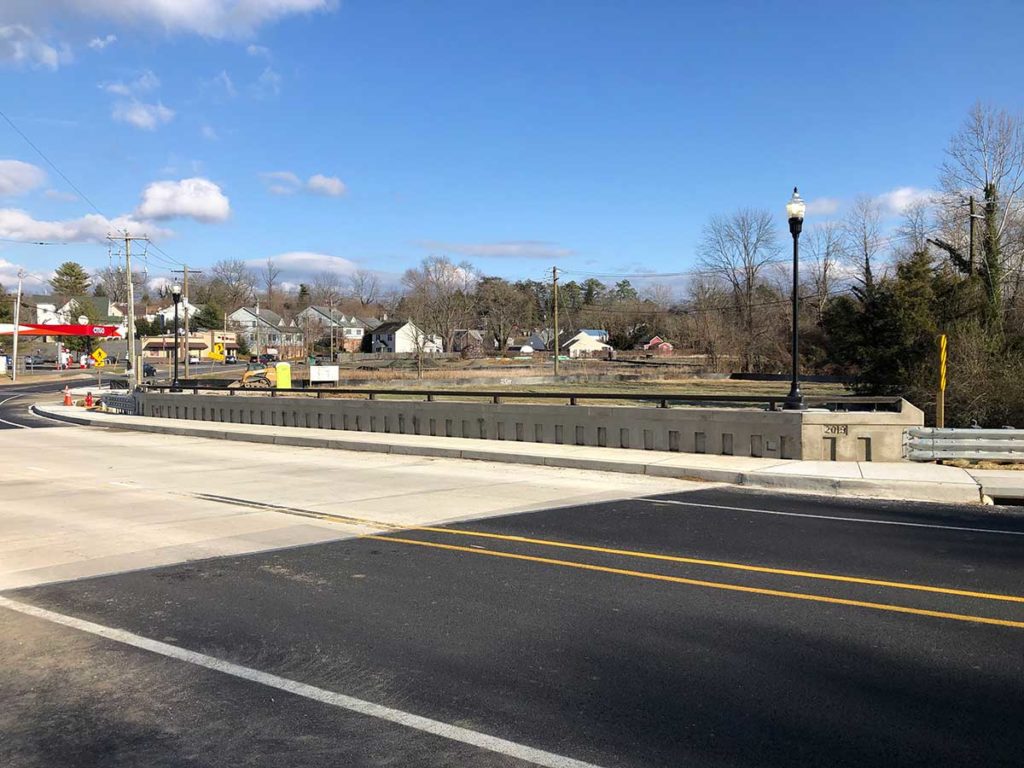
x: 11, y: 423
x: 340, y: 700
x: 834, y: 517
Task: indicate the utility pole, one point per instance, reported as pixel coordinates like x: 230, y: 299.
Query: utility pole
x: 332, y: 329
x: 970, y: 236
x: 257, y: 329
x: 17, y: 321
x: 136, y: 368
x: 554, y: 290
x: 184, y: 272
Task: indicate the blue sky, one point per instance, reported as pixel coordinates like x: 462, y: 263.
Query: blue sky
x: 599, y: 136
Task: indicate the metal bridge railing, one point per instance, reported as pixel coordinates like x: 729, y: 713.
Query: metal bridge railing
x: 662, y: 400
x: 933, y: 444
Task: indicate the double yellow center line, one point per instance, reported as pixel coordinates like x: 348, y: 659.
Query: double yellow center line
x: 716, y: 564
x: 563, y: 545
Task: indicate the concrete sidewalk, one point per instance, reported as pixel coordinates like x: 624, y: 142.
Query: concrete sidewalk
x: 897, y: 480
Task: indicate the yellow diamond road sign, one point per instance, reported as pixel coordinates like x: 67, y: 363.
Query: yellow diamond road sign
x: 99, y: 355
x: 218, y: 351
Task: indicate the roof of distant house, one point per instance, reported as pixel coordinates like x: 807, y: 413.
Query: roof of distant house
x: 389, y: 327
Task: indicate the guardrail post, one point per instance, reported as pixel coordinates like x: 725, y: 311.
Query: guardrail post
x: 572, y: 401
x: 663, y: 404
x: 430, y: 397
x: 496, y: 399
x: 372, y: 395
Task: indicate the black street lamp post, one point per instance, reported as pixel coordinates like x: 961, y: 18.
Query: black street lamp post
x: 795, y: 209
x: 176, y: 295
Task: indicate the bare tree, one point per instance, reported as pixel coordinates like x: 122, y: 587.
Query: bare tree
x: 365, y: 286
x: 112, y: 283
x: 231, y: 285
x: 916, y: 227
x: 985, y: 159
x: 825, y: 248
x: 326, y: 289
x: 862, y: 235
x: 502, y: 308
x: 441, y: 294
x: 269, y: 275
x: 736, y: 249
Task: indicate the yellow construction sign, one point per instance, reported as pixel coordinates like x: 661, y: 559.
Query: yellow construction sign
x: 218, y: 351
x: 99, y: 356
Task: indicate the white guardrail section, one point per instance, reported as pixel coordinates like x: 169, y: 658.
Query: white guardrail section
x: 933, y: 444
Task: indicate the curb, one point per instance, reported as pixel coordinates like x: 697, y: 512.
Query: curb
x: 905, y: 490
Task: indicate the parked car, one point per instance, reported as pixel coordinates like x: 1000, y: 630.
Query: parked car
x: 193, y: 359
x: 148, y: 371
x: 266, y: 358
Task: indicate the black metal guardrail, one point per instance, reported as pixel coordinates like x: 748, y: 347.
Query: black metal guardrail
x: 663, y: 400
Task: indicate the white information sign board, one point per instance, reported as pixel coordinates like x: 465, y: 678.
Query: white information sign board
x: 323, y: 374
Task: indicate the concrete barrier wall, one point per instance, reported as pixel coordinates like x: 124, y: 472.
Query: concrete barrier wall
x: 719, y: 431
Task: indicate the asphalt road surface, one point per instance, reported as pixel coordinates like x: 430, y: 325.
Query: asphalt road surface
x: 17, y: 399
x: 709, y: 627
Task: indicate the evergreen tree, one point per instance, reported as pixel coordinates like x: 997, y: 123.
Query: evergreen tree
x: 70, y: 279
x: 208, y: 318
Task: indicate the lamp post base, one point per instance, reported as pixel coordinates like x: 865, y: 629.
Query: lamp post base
x: 794, y: 400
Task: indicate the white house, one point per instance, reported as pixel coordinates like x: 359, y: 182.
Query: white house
x: 45, y: 310
x: 166, y: 315
x: 585, y: 345
x: 403, y: 338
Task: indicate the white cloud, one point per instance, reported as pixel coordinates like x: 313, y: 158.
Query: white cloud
x: 60, y: 195
x: 20, y: 46
x: 16, y: 224
x: 17, y: 178
x: 99, y: 43
x: 259, y: 51
x: 208, y: 133
x: 267, y: 84
x: 897, y: 201
x: 9, y: 276
x: 145, y: 116
x: 331, y: 186
x: 194, y: 198
x: 221, y: 82
x: 145, y: 82
x: 281, y: 182
x: 288, y: 183
x: 823, y: 206
x: 306, y: 263
x: 511, y: 249
x: 209, y: 18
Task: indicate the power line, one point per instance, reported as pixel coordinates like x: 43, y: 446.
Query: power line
x: 71, y: 184
x: 647, y: 275
x: 53, y: 165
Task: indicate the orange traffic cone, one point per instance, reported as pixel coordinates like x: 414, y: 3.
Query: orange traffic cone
x: 67, y: 396
x: 88, y: 400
